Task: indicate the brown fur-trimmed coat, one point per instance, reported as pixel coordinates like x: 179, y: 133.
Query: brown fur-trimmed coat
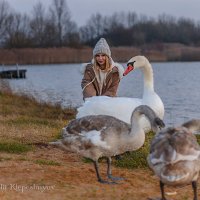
x: 91, y: 87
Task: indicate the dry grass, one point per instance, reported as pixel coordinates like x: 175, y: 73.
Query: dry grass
x: 26, y: 121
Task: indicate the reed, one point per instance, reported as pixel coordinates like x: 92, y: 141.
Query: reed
x: 155, y: 52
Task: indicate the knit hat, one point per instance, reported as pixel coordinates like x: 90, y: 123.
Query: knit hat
x: 102, y: 47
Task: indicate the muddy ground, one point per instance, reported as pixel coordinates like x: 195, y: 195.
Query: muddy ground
x: 24, y: 176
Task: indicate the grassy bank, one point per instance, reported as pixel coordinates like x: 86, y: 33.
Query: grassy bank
x: 25, y: 123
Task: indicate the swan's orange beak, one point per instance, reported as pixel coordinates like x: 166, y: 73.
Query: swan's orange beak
x: 128, y: 69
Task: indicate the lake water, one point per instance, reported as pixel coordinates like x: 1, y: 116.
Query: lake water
x: 177, y: 83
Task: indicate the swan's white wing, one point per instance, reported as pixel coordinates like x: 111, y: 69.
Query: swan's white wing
x: 119, y: 107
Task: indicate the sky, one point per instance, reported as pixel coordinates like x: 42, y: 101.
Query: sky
x: 81, y: 10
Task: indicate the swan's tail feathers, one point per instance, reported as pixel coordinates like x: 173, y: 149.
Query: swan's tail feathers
x: 193, y: 126
x: 82, y: 68
x: 120, y: 70
x: 61, y: 145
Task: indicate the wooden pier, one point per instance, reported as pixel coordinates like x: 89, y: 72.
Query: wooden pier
x: 20, y: 73
x: 13, y: 73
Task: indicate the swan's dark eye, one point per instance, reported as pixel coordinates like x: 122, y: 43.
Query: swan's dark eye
x: 131, y: 63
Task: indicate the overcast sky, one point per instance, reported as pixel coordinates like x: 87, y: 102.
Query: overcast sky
x: 81, y: 10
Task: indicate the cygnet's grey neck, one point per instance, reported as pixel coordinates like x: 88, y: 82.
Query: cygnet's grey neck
x: 135, y: 126
x: 137, y: 135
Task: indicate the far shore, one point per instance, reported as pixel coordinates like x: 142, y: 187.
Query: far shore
x: 156, y: 53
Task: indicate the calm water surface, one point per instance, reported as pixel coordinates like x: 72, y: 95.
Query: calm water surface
x: 177, y: 83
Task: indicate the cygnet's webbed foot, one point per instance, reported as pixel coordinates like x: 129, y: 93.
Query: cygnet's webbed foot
x: 100, y: 180
x: 114, y: 178
x: 156, y: 198
x: 106, y: 182
x: 109, y: 172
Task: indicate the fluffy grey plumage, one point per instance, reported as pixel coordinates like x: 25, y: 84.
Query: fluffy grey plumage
x: 101, y: 135
x: 175, y: 156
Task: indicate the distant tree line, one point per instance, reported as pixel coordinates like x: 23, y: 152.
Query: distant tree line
x: 54, y: 27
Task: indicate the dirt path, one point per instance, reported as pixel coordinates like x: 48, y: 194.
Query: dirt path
x: 23, y: 178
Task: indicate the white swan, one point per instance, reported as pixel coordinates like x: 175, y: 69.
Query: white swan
x: 175, y: 156
x: 121, y: 107
x: 97, y: 136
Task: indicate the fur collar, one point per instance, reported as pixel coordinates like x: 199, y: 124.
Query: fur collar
x: 114, y: 64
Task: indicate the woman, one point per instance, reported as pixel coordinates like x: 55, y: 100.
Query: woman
x: 102, y: 75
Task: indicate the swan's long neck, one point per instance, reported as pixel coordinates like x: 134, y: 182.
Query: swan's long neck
x: 148, y: 77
